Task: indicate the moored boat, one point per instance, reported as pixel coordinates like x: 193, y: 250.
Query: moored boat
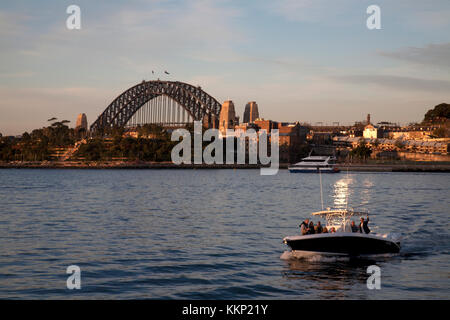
x: 314, y: 164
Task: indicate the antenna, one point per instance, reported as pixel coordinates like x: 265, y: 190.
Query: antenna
x: 346, y: 200
x: 321, y: 192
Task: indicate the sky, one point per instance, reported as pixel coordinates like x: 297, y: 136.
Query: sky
x: 300, y: 60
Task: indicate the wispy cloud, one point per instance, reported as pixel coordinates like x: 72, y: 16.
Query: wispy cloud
x: 285, y: 54
x: 12, y: 24
x: 435, y: 18
x: 10, y: 75
x: 437, y: 55
x: 310, y: 10
x: 397, y: 82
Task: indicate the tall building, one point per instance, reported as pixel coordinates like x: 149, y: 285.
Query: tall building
x: 81, y: 122
x: 251, y: 112
x: 228, y: 117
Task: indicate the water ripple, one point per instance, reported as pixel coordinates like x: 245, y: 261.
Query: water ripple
x: 211, y: 234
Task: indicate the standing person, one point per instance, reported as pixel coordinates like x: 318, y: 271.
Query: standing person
x: 311, y: 228
x: 318, y: 227
x: 304, y: 227
x: 354, y: 227
x: 363, y: 226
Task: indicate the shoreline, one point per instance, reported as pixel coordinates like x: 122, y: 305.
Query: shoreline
x: 395, y: 167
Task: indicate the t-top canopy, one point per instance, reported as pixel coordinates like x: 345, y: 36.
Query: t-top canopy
x: 339, y: 216
x: 340, y: 213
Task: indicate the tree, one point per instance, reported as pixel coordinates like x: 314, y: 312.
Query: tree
x: 37, y: 145
x: 362, y: 151
x: 376, y: 143
x: 439, y: 113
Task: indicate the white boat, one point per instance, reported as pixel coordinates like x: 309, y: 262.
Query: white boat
x: 313, y: 164
x: 343, y: 241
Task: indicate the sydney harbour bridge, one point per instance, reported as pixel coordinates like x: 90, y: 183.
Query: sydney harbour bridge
x: 166, y: 103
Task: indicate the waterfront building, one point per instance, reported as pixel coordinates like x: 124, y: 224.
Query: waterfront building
x: 292, y: 136
x: 292, y: 133
x: 266, y: 125
x: 436, y: 146
x: 372, y: 132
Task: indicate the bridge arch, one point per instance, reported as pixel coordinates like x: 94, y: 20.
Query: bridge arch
x: 193, y: 99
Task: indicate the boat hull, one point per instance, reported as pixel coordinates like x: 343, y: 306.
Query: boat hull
x: 345, y: 243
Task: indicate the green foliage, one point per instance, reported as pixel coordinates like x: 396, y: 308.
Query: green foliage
x: 438, y: 113
x: 362, y: 151
x: 127, y: 148
x: 151, y: 131
x: 37, y: 145
x: 94, y: 150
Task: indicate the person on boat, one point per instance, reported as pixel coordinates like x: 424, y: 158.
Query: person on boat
x: 332, y: 230
x: 325, y: 230
x: 304, y: 227
x: 318, y: 228
x: 311, y: 228
x: 363, y: 226
x: 354, y: 227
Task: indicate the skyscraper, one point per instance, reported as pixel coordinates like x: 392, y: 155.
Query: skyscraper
x: 251, y: 112
x: 228, y: 117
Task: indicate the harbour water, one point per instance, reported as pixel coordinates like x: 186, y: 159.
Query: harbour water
x: 212, y: 234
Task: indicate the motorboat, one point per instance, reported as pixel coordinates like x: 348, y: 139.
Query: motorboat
x: 314, y: 164
x: 343, y: 241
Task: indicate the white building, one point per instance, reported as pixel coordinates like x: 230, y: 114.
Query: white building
x: 371, y: 132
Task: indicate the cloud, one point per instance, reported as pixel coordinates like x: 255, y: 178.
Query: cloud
x: 309, y: 10
x: 12, y: 24
x: 435, y: 18
x: 10, y: 75
x: 397, y: 82
x: 436, y: 55
x: 231, y: 49
x: 127, y: 40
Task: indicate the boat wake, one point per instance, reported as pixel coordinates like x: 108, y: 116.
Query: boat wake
x: 312, y: 257
x: 327, y: 257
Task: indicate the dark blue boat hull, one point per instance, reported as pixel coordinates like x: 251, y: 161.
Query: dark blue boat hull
x: 350, y: 245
